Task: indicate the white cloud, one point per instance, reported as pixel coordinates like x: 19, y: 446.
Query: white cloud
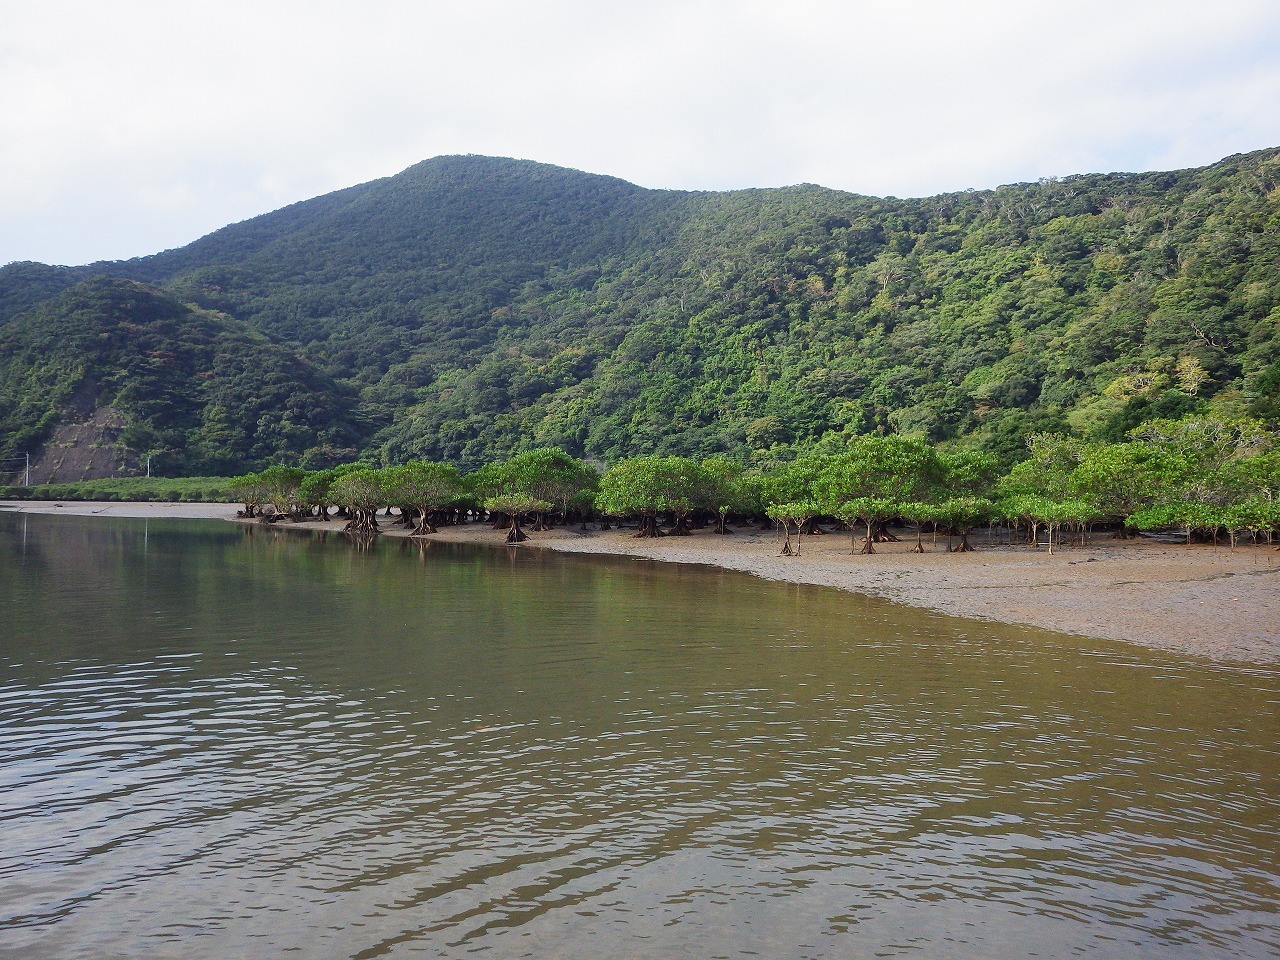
x: 130, y: 127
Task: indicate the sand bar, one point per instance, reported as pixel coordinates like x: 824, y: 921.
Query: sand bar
x: 1201, y: 600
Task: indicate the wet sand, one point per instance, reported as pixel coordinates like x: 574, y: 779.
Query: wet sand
x: 1202, y: 600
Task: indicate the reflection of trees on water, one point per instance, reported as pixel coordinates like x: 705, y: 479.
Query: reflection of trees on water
x: 412, y: 545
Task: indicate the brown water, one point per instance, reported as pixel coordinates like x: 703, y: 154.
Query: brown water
x: 219, y: 741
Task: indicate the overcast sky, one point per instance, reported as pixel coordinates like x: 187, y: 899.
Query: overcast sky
x: 131, y: 126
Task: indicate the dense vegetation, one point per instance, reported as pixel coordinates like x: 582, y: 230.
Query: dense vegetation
x: 1205, y: 476
x: 129, y: 490
x: 198, y: 391
x: 471, y: 308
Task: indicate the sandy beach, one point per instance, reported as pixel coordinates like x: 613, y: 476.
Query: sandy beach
x: 1202, y: 600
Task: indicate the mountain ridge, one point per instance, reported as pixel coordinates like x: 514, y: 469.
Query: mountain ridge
x: 473, y: 306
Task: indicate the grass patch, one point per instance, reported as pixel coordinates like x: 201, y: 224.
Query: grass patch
x: 127, y: 490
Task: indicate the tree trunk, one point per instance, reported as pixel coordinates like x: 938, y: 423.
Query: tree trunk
x: 965, y: 546
x: 648, y: 528
x: 787, y: 551
x: 869, y: 542
x: 424, y: 527
x: 515, y: 534
x: 882, y: 533
x: 363, y: 522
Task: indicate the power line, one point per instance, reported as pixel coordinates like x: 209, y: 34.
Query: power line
x: 26, y: 457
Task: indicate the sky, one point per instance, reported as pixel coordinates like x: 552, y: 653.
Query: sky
x: 132, y: 126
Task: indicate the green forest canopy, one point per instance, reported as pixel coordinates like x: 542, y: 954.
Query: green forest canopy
x: 471, y: 308
x: 1199, y: 473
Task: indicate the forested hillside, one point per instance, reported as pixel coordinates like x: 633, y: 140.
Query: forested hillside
x: 111, y: 370
x: 472, y: 307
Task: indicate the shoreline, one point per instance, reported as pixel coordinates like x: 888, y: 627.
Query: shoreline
x: 1204, y: 601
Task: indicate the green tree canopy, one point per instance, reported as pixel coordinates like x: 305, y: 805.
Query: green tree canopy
x: 644, y: 487
x: 361, y: 492
x: 424, y: 487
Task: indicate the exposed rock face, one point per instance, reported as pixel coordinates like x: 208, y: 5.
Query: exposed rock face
x: 85, y: 448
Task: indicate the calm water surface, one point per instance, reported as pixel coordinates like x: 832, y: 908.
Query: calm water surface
x: 228, y: 742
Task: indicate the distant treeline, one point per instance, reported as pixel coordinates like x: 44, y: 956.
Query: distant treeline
x: 129, y: 490
x: 1204, y: 476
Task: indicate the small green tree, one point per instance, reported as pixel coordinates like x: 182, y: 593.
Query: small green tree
x: 1056, y: 513
x: 961, y: 515
x: 1025, y: 509
x: 731, y: 489
x: 547, y: 474
x: 314, y: 491
x: 795, y: 481
x: 645, y: 487
x: 1047, y: 470
x: 424, y: 487
x: 868, y: 510
x: 361, y: 492
x: 792, y: 514
x: 967, y: 473
x: 516, y: 506
x: 249, y: 490
x: 873, y: 476
x: 918, y: 512
x: 1118, y: 479
x: 280, y: 488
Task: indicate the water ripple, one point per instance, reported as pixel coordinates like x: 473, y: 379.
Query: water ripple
x: 347, y: 785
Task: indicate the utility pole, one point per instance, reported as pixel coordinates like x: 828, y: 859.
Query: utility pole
x: 26, y: 469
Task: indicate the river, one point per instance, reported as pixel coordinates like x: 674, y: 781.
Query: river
x: 226, y: 741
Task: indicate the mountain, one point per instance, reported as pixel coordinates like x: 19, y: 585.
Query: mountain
x: 112, y: 370
x: 472, y: 306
